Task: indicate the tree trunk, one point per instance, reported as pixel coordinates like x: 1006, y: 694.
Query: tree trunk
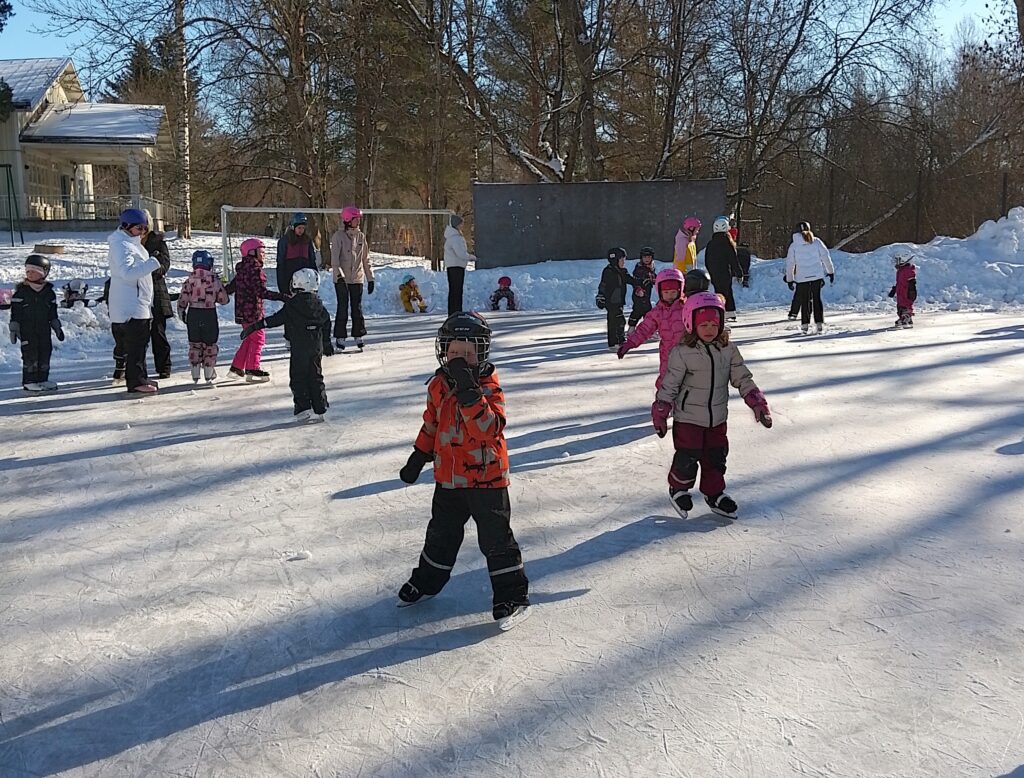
x: 182, y: 128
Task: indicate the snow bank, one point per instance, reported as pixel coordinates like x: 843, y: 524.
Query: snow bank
x: 985, y: 270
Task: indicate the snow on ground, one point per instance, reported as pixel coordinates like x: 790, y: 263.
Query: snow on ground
x: 194, y: 586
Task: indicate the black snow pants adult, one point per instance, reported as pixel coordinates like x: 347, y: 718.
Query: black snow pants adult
x: 490, y: 509
x: 456, y: 280
x: 349, y: 294
x: 130, y: 341
x: 36, y: 348
x: 809, y: 293
x: 161, y: 347
x: 306, y: 379
x: 616, y: 325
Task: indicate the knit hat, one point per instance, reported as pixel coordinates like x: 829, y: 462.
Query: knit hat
x: 706, y: 314
x: 456, y: 220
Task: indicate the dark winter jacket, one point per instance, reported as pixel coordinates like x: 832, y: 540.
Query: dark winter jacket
x: 643, y: 280
x: 307, y: 325
x: 720, y: 259
x: 33, y: 310
x: 743, y: 256
x: 249, y: 286
x: 293, y: 252
x: 157, y: 247
x: 613, y: 286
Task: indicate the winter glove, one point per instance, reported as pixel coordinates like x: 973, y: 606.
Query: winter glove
x: 791, y: 285
x: 639, y: 293
x: 258, y: 325
x: 467, y: 388
x: 369, y: 287
x: 660, y: 411
x: 55, y: 326
x: 892, y: 292
x: 412, y: 469
x: 756, y: 401
x: 599, y: 301
x: 831, y: 278
x: 623, y: 350
x: 15, y: 331
x: 328, y: 349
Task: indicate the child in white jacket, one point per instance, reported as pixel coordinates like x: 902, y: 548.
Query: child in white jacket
x: 807, y: 264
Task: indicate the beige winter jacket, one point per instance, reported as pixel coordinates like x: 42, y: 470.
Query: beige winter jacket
x: 350, y: 257
x: 697, y: 382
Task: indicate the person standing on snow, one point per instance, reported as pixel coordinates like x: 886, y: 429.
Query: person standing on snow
x: 33, y: 317
x: 685, y: 257
x: 905, y: 288
x: 611, y: 295
x: 456, y: 259
x: 350, y: 266
x: 294, y: 250
x: 723, y: 264
x: 249, y: 286
x: 666, y: 318
x: 130, y: 299
x: 156, y: 247
x: 807, y: 264
x: 643, y: 287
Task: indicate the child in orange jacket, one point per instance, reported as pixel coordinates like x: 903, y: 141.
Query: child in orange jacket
x: 463, y: 435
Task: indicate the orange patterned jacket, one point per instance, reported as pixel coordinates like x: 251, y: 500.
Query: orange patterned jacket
x: 467, y: 441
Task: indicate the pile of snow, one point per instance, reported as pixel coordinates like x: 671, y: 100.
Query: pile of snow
x: 983, y: 271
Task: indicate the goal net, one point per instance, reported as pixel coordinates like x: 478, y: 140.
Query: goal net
x: 397, y: 236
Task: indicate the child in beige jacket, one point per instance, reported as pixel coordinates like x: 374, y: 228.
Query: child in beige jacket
x: 350, y: 266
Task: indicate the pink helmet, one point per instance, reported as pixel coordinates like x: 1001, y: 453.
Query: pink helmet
x: 668, y: 274
x: 691, y: 224
x: 351, y: 212
x: 504, y: 282
x: 702, y: 300
x: 251, y: 246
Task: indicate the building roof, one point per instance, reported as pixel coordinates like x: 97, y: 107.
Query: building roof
x: 97, y: 123
x: 30, y: 78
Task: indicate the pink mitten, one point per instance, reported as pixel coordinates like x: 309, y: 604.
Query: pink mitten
x: 757, y: 402
x: 660, y: 411
x: 623, y: 350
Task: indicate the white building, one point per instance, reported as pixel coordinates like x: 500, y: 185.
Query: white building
x: 54, y: 138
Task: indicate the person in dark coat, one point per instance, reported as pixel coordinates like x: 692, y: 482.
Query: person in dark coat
x: 743, y: 255
x: 155, y: 244
x: 33, y: 316
x: 723, y: 264
x: 644, y: 274
x: 295, y: 250
x: 611, y: 295
x: 307, y: 325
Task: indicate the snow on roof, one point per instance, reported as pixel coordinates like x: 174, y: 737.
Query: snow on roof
x: 97, y: 123
x: 30, y: 78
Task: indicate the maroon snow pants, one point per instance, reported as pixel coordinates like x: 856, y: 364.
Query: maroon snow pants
x: 706, y: 446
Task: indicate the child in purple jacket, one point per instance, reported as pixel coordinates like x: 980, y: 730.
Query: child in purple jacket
x: 905, y: 288
x: 249, y: 287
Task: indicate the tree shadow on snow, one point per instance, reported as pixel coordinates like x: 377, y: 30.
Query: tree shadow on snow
x: 277, y: 661
x: 1017, y: 773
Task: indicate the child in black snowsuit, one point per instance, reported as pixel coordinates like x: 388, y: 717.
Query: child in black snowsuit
x: 504, y: 292
x: 611, y: 295
x: 33, y: 316
x: 307, y: 326
x: 643, y: 284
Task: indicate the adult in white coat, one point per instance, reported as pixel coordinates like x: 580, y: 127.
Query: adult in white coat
x: 456, y: 258
x: 807, y: 264
x: 130, y: 299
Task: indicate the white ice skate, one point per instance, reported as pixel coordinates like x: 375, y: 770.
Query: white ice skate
x: 210, y: 373
x: 303, y: 416
x: 196, y: 369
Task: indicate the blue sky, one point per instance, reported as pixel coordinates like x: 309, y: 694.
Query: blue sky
x: 17, y: 40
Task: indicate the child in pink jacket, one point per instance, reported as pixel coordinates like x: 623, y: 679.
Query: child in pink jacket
x: 200, y: 295
x: 665, y: 318
x: 905, y: 289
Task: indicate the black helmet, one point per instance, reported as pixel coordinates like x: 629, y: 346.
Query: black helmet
x: 615, y: 254
x: 803, y: 227
x: 646, y: 251
x: 40, y: 261
x: 696, y: 280
x: 470, y: 327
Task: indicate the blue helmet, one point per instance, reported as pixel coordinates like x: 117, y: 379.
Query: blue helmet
x: 298, y: 218
x: 132, y: 216
x: 202, y: 258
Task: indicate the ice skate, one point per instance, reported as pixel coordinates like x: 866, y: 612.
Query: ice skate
x: 303, y: 416
x: 318, y: 418
x: 164, y: 374
x: 256, y: 376
x: 730, y: 317
x: 804, y: 328
x: 33, y: 386
x: 359, y: 343
x: 210, y: 373
x: 49, y: 386
x: 410, y: 595
x: 509, y: 614
x: 236, y: 372
x: 195, y: 373
x: 819, y: 328
x: 722, y: 504
x: 681, y: 501
x: 339, y: 344
x: 792, y: 316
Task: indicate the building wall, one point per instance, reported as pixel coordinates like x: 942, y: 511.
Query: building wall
x: 10, y: 154
x: 519, y: 224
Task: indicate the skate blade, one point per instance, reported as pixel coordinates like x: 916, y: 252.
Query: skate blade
x: 516, y: 618
x: 404, y: 604
x: 255, y: 379
x: 720, y: 512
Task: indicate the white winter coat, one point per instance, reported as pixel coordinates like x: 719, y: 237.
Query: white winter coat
x: 807, y: 261
x: 456, y: 254
x: 131, y: 285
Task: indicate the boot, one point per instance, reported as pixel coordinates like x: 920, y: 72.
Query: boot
x: 209, y: 372
x: 195, y: 373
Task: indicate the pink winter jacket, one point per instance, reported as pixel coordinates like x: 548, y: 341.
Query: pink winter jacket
x: 202, y: 289
x: 667, y: 321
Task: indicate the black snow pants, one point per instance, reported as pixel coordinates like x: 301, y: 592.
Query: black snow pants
x: 616, y: 325
x: 36, y: 348
x: 490, y: 509
x: 306, y: 378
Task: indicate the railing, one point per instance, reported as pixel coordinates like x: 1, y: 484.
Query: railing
x: 50, y: 208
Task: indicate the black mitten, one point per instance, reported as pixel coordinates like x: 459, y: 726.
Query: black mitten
x: 466, y: 384
x: 412, y: 469
x: 892, y: 292
x: 369, y: 287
